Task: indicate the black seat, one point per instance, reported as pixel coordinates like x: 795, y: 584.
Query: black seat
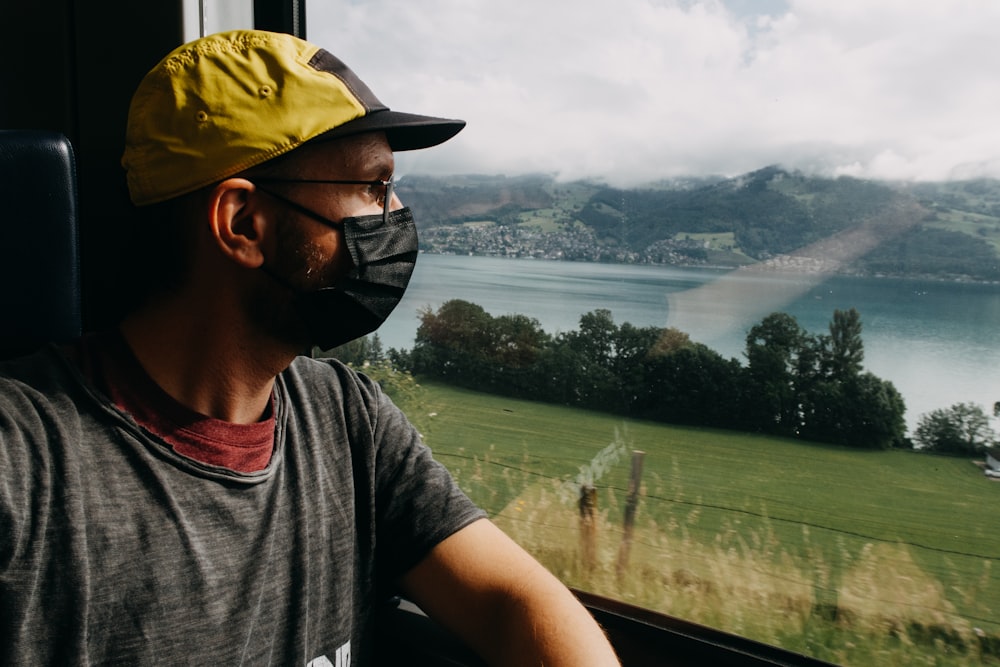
x: 39, y: 251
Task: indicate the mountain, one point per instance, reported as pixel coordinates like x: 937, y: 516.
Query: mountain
x: 941, y: 230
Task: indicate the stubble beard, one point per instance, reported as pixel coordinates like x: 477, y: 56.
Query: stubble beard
x: 303, y: 267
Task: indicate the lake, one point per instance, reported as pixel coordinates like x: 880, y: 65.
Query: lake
x: 936, y: 341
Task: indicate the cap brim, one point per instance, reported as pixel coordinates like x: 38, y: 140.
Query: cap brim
x: 405, y: 131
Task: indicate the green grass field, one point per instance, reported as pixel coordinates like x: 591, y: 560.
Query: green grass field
x: 853, y: 556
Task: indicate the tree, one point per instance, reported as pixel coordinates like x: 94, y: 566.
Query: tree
x: 871, y: 412
x: 593, y: 349
x: 692, y: 385
x: 962, y: 429
x: 450, y: 342
x: 671, y: 339
x: 633, y: 347
x: 840, y: 403
x: 596, y: 336
x: 457, y: 324
x: 359, y: 351
x: 813, y: 386
x: 845, y: 351
x: 773, y: 349
x: 558, y: 375
x: 515, y: 340
x: 516, y: 344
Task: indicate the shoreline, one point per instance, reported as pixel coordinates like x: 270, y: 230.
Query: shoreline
x: 801, y: 268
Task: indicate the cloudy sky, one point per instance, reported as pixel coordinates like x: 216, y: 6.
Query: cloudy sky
x: 641, y: 90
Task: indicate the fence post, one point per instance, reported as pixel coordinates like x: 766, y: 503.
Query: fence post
x: 631, y: 504
x: 588, y: 526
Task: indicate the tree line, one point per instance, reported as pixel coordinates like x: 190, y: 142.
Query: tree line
x: 793, y: 383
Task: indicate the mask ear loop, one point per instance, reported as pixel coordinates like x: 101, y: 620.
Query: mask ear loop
x: 302, y: 209
x: 308, y: 213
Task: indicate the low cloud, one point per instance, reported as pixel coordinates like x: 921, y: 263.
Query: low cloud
x: 640, y: 90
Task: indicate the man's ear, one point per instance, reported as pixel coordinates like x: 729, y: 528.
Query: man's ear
x: 236, y: 222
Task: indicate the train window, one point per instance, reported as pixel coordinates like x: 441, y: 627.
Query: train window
x: 707, y: 306
x: 204, y: 17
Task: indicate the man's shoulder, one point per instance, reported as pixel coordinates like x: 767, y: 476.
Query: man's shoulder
x: 326, y: 369
x: 42, y: 403
x: 319, y: 369
x: 329, y: 377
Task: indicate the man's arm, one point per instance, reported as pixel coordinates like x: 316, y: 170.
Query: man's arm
x: 481, y: 585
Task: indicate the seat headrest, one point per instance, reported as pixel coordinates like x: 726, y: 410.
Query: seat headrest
x: 40, y: 289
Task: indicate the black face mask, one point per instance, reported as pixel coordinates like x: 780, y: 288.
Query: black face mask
x: 384, y: 254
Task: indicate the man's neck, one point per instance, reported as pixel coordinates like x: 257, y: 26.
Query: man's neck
x: 210, y: 369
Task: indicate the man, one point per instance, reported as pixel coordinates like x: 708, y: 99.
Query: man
x: 187, y: 489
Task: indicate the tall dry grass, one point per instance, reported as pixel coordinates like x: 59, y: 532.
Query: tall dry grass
x: 880, y: 608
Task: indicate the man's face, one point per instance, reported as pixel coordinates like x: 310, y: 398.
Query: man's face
x: 311, y: 254
x: 306, y: 253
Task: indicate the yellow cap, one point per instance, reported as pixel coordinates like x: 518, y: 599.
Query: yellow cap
x: 224, y: 103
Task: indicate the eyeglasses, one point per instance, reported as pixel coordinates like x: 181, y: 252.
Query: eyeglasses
x: 382, y: 191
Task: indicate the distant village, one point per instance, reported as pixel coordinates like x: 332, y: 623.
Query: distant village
x: 571, y: 244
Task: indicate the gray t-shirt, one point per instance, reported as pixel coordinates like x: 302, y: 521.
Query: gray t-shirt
x: 116, y: 550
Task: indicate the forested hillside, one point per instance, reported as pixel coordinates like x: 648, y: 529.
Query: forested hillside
x: 942, y: 230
